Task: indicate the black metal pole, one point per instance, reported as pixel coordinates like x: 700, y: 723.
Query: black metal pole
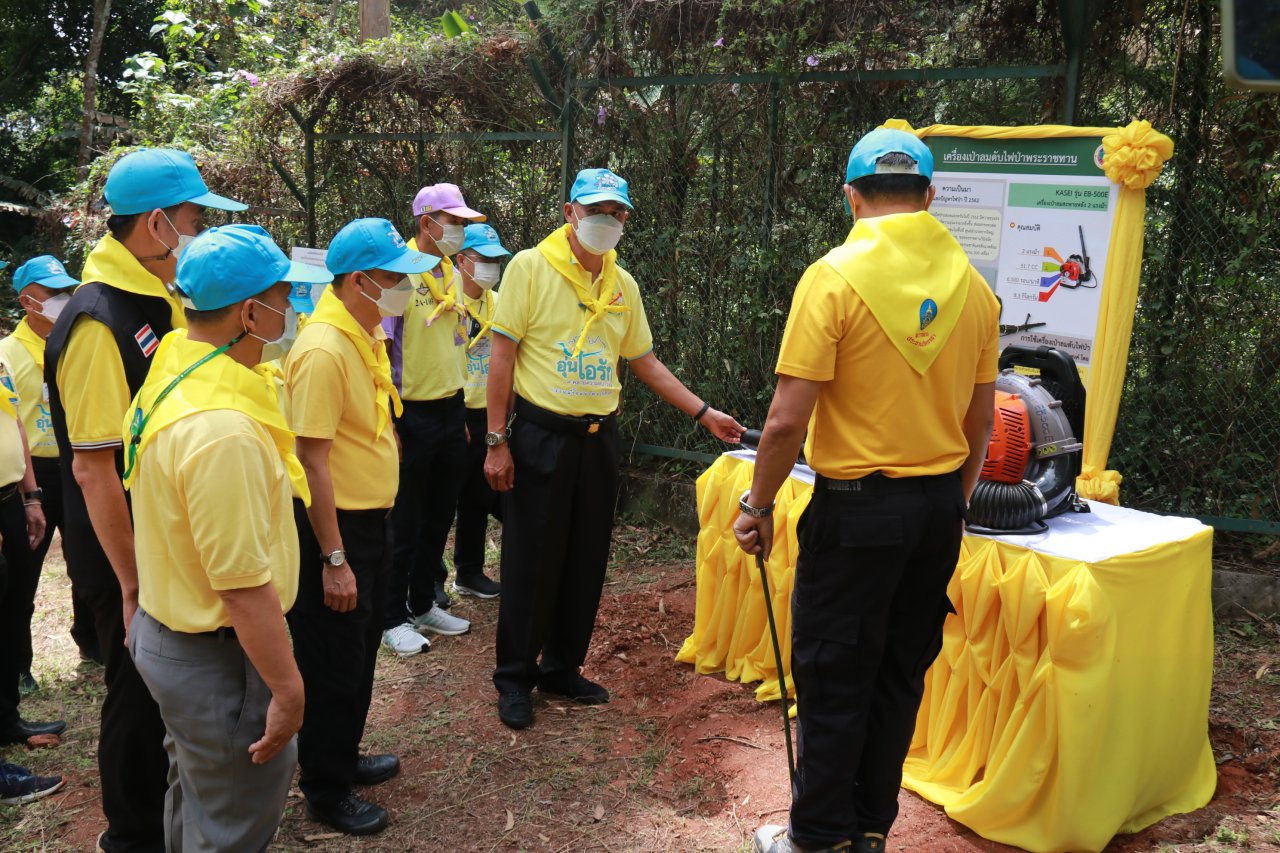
x: 777, y: 659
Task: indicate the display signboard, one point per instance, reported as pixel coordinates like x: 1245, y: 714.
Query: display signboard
x: 1035, y: 217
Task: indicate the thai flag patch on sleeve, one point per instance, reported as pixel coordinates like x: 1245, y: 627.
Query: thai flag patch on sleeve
x: 147, y: 340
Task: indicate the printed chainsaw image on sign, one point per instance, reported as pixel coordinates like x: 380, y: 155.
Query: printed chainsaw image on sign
x: 1034, y: 216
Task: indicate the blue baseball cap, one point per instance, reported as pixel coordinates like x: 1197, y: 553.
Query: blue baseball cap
x: 374, y: 244
x: 595, y: 185
x: 484, y: 239
x: 159, y: 177
x: 865, y: 156
x: 230, y: 263
x: 46, y: 271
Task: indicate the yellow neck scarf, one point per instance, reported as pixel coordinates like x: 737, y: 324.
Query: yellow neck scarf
x: 31, y: 342
x: 446, y: 295
x: 111, y: 263
x: 331, y: 312
x: 555, y: 248
x: 913, y: 277
x: 220, y: 383
x: 485, y: 299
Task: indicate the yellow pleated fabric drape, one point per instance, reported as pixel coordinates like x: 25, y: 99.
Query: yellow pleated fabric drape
x: 731, y: 632
x: 1069, y: 702
x: 1132, y: 158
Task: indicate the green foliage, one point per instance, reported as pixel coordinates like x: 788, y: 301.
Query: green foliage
x: 737, y: 187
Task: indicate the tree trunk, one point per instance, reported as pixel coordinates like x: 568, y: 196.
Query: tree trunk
x: 375, y: 19
x: 101, y: 12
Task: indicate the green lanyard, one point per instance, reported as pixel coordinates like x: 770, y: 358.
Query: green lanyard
x: 140, y: 421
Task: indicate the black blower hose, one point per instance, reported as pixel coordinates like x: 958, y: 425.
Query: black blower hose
x: 1008, y: 508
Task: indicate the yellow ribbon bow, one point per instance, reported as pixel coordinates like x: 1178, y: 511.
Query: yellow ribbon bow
x: 555, y: 248
x: 446, y: 297
x: 331, y: 311
x: 1134, y: 154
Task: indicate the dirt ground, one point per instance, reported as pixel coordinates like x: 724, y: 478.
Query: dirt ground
x: 676, y: 762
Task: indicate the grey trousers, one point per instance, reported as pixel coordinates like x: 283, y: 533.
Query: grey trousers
x: 214, y: 705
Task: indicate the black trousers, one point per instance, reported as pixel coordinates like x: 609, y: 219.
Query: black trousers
x: 336, y: 652
x: 433, y: 434
x: 556, y: 533
x: 132, y: 762
x: 19, y: 574
x: 475, y: 503
x: 48, y: 471
x: 867, y: 611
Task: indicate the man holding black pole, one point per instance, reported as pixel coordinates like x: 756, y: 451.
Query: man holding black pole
x: 889, y: 361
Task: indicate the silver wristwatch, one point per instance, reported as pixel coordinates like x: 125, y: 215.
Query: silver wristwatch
x: 335, y: 559
x: 493, y: 439
x: 754, y: 512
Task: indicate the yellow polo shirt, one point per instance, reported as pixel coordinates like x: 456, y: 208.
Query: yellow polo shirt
x: 476, y: 359
x: 430, y: 362
x: 22, y: 372
x: 212, y: 511
x: 332, y: 396
x: 539, y: 310
x: 874, y: 411
x: 13, y: 462
x: 91, y: 380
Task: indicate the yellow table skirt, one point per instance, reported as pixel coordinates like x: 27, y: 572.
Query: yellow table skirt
x: 1070, y: 701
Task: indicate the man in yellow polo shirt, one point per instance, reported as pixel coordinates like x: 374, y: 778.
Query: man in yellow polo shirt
x: 44, y: 288
x: 96, y: 358
x: 568, y: 313
x: 21, y: 527
x: 425, y: 347
x: 210, y: 464
x: 479, y: 267
x: 341, y: 403
x: 889, y: 359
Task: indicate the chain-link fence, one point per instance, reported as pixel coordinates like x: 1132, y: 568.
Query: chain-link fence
x: 737, y: 183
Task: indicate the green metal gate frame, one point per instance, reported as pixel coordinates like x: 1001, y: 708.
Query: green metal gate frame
x: 568, y: 107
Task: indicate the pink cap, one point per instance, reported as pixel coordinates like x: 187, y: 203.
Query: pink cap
x: 444, y: 197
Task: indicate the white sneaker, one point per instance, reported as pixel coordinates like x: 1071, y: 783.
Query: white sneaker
x: 441, y: 622
x: 405, y: 641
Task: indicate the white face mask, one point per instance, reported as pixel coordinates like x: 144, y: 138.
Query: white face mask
x: 450, y: 242
x: 289, y: 331
x: 184, y: 240
x: 52, y: 307
x: 393, y: 301
x: 486, y: 275
x: 598, y: 234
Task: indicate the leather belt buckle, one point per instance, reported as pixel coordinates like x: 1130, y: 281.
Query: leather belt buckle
x: 593, y: 428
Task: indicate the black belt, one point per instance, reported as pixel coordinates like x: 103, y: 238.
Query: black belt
x: 9, y: 491
x: 879, y: 484
x: 440, y: 403
x: 584, y: 425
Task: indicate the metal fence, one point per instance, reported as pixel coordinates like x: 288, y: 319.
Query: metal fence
x: 737, y: 186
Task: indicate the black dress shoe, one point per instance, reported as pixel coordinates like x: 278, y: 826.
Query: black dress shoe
x: 373, y: 769
x: 351, y: 814
x: 19, y: 731
x: 515, y: 710
x: 574, y: 686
